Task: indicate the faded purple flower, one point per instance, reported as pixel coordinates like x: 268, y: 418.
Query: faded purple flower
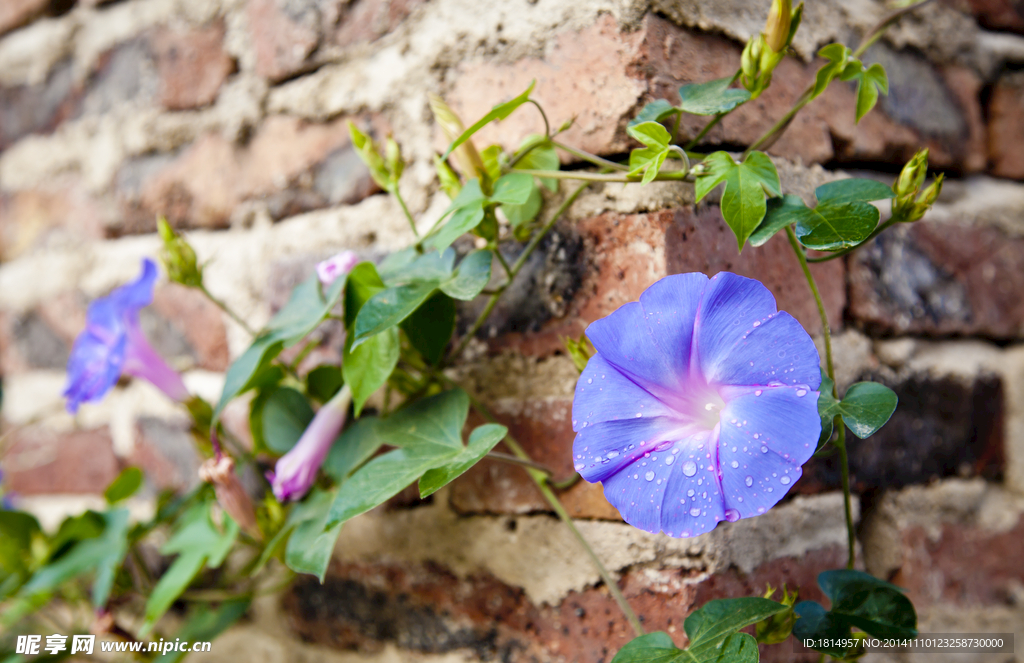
x: 113, y: 343
x: 335, y: 266
x: 295, y: 471
x: 699, y: 406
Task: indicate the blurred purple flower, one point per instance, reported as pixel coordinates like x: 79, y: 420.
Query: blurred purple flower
x: 335, y: 266
x: 699, y: 406
x: 113, y: 343
x: 295, y: 471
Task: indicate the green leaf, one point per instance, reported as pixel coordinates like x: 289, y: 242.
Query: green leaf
x: 648, y: 162
x: 512, y: 189
x: 712, y: 97
x: 519, y: 214
x: 814, y: 622
x: 285, y: 415
x: 430, y: 327
x: 124, y: 486
x: 17, y: 531
x: 866, y: 407
x: 492, y: 158
x: 739, y: 648
x: 499, y: 112
x: 780, y: 212
x: 708, y: 627
x: 367, y: 367
x: 838, y: 57
x: 542, y: 157
x: 388, y: 308
x: 835, y: 226
x: 205, y: 624
x: 651, y: 648
x: 199, y: 543
x: 481, y: 441
x: 471, y: 277
x: 651, y: 134
x: 870, y: 82
x: 655, y: 111
x: 853, y: 190
x: 311, y: 544
x: 434, y: 421
x: 828, y: 408
x: 432, y: 266
x: 356, y: 445
x: 323, y: 382
x: 363, y: 283
x: 463, y: 220
x: 746, y: 183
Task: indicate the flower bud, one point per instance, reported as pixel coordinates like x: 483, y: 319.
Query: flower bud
x: 336, y: 266
x: 776, y: 30
x: 751, y: 59
x: 931, y: 192
x: 912, y: 176
x: 230, y: 494
x: 466, y: 157
x: 393, y: 158
x: 179, y: 257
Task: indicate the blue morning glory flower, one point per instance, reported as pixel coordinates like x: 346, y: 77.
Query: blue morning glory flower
x: 699, y: 406
x: 113, y: 343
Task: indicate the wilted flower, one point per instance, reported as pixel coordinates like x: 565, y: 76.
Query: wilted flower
x: 335, y: 266
x: 231, y: 495
x: 113, y: 343
x: 699, y: 406
x: 295, y: 471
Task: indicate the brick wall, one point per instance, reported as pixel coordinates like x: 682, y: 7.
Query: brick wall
x: 229, y: 117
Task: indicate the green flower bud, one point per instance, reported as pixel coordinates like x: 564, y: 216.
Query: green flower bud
x: 778, y: 627
x: 750, y: 61
x: 393, y: 159
x: 179, y: 257
x: 466, y: 157
x: 912, y: 176
x: 931, y: 193
x: 776, y: 29
x: 450, y: 183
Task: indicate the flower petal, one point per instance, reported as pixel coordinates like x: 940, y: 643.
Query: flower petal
x: 649, y: 340
x: 675, y: 489
x: 93, y: 368
x: 777, y: 351
x: 603, y: 449
x: 138, y: 293
x: 603, y: 393
x: 729, y: 309
x: 767, y: 434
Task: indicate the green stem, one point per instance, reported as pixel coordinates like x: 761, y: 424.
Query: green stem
x: 540, y: 479
x: 600, y: 177
x: 592, y: 158
x: 522, y: 462
x: 405, y: 210
x: 544, y: 116
x: 838, y: 422
x: 224, y: 307
x: 523, y: 257
x: 704, y: 132
x: 504, y: 263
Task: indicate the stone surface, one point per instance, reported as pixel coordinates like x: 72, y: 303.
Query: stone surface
x: 165, y: 451
x: 939, y: 279
x: 63, y: 213
x: 1006, y: 127
x: 996, y: 14
x: 39, y: 108
x: 365, y: 21
x: 187, y: 328
x: 41, y: 462
x: 283, y: 33
x: 15, y: 13
x: 192, y: 65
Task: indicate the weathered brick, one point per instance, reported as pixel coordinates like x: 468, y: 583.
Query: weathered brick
x: 290, y: 165
x: 624, y: 254
x: 124, y: 74
x: 425, y: 608
x: 1006, y: 127
x: 16, y: 13
x: 610, y: 73
x: 192, y: 65
x: 188, y: 326
x: 59, y: 213
x: 943, y: 427
x: 284, y: 33
x: 940, y: 279
x: 43, y: 462
x: 365, y: 21
x: 40, y: 108
x: 166, y: 453
x: 996, y: 14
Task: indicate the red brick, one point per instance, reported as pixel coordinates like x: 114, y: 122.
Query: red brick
x: 961, y: 565
x: 62, y: 212
x: 192, y: 65
x: 42, y: 462
x: 425, y: 608
x: 625, y: 254
x: 996, y: 14
x: 940, y: 279
x: 283, y: 34
x: 609, y: 74
x: 166, y: 453
x: 16, y: 13
x: 365, y: 21
x: 198, y: 320
x: 39, y: 108
x: 1006, y: 127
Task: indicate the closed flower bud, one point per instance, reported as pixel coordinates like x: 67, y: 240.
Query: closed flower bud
x: 931, y: 192
x: 393, y: 158
x: 466, y: 157
x: 230, y: 494
x: 751, y: 59
x: 179, y: 257
x: 776, y: 30
x: 912, y: 176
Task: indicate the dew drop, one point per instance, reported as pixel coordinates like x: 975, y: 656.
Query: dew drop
x: 732, y: 515
x: 694, y: 512
x: 734, y: 464
x: 739, y: 499
x: 749, y: 481
x: 580, y: 466
x: 757, y: 323
x: 760, y: 509
x: 770, y: 489
x: 649, y: 476
x: 704, y: 495
x: 670, y: 460
x: 689, y: 468
x: 638, y: 415
x: 784, y: 481
x: 590, y: 380
x: 689, y: 493
x: 764, y: 450
x: 685, y: 534
x: 636, y: 476
x: 613, y: 454
x: 700, y: 482
x: 758, y: 392
x: 801, y: 392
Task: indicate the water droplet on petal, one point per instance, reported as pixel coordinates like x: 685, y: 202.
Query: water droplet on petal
x: 689, y: 493
x: 734, y: 464
x: 638, y: 415
x: 694, y: 512
x: 670, y: 460
x: 758, y: 392
x: 749, y: 481
x: 801, y: 392
x: 732, y: 515
x: 764, y: 450
x: 784, y: 481
x: 613, y: 454
x: 770, y: 489
x: 760, y: 509
x: 649, y: 476
x: 689, y: 468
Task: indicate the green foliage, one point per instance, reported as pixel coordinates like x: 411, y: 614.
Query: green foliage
x: 471, y: 205
x: 713, y: 631
x: 430, y: 327
x: 858, y: 601
x: 541, y: 156
x: 580, y: 351
x: 865, y: 408
x: 310, y: 546
x: 385, y: 170
x: 323, y: 382
x: 649, y: 159
x: 870, y: 81
x: 205, y: 623
x: 841, y: 64
x: 655, y: 111
x: 777, y: 628
x: 712, y: 97
x: 481, y: 441
x: 285, y: 415
x: 18, y: 533
x: 499, y: 112
x: 746, y: 184
x: 126, y: 484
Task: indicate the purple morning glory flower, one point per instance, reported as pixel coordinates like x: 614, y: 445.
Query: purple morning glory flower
x: 337, y: 265
x: 295, y: 471
x: 699, y: 406
x: 113, y: 343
